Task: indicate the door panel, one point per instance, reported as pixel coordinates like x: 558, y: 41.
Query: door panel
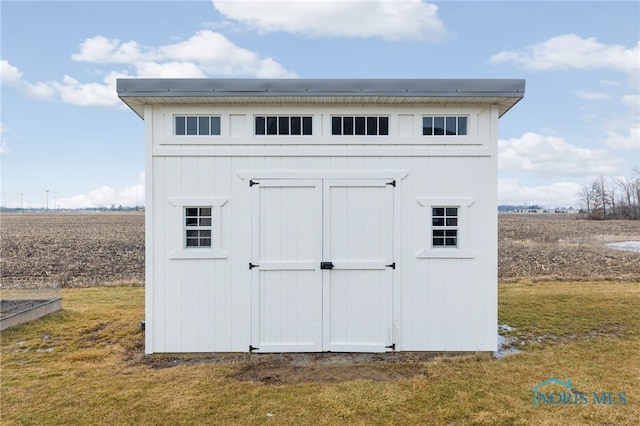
x: 297, y: 224
x: 357, y: 239
x: 287, y: 285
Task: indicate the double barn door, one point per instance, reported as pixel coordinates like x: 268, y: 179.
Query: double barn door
x: 322, y: 265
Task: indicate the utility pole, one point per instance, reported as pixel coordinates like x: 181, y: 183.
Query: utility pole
x: 47, y: 191
x: 21, y: 194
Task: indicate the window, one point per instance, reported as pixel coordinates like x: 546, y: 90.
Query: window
x: 197, y: 125
x: 196, y: 231
x: 444, y: 226
x: 284, y: 125
x: 445, y: 220
x: 360, y: 125
x: 198, y: 226
x: 447, y: 125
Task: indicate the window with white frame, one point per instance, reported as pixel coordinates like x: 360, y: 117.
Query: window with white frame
x: 444, y: 125
x: 197, y: 230
x: 283, y: 125
x: 444, y: 226
x: 446, y: 233
x: 360, y: 125
x: 198, y: 227
x: 197, y: 125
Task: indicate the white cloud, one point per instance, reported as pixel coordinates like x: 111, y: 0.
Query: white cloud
x: 73, y: 92
x: 169, y: 70
x: 4, y: 147
x: 570, y: 51
x: 100, y: 49
x: 552, y: 155
x: 632, y: 101
x: 631, y: 141
x: 388, y: 19
x: 610, y: 83
x: 12, y: 76
x: 214, y: 54
x: 591, y: 95
x: 9, y: 74
x: 105, y: 196
x: 559, y: 194
x: 205, y: 54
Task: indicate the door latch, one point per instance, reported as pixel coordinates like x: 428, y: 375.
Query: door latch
x: 326, y: 265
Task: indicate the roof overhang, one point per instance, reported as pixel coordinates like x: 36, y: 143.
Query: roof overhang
x: 138, y: 92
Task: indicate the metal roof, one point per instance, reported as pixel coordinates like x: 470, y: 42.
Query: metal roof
x: 138, y: 92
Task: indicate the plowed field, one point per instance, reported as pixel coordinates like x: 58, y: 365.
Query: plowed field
x: 72, y: 249
x: 107, y: 249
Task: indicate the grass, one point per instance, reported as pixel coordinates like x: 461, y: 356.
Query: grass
x: 84, y: 365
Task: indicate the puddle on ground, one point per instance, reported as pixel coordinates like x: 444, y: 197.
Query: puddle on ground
x: 506, y: 345
x: 626, y: 246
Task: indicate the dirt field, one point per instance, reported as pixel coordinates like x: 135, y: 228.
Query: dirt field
x: 72, y: 249
x: 559, y: 247
x: 107, y: 249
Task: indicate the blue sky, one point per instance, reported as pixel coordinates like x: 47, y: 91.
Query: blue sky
x: 64, y: 130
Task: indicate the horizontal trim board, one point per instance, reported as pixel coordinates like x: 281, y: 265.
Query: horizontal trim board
x: 288, y: 266
x: 275, y: 140
x: 345, y: 265
x: 321, y: 174
x: 322, y: 152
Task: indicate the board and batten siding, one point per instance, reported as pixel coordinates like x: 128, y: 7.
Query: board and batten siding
x: 443, y: 300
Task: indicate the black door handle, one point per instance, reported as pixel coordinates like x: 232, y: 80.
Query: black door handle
x: 326, y: 265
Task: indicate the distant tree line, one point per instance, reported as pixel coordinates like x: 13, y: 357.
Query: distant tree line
x: 612, y: 198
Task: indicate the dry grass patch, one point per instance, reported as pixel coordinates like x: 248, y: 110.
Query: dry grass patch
x: 85, y: 365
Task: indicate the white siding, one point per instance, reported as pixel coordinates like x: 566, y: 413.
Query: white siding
x: 204, y: 304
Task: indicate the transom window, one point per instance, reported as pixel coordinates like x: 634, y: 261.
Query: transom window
x: 360, y: 125
x: 444, y: 125
x: 444, y: 226
x: 197, y: 226
x: 284, y: 125
x: 197, y: 125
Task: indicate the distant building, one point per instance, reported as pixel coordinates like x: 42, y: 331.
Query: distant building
x: 321, y: 215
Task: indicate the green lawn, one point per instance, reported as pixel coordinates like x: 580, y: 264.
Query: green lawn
x: 84, y: 365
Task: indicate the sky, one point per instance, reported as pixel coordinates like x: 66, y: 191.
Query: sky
x: 67, y: 141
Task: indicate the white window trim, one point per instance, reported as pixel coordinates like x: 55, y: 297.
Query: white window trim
x: 213, y: 252
x: 463, y: 251
x: 456, y: 136
x: 168, y: 125
x: 289, y: 116
x: 173, y: 128
x: 354, y: 115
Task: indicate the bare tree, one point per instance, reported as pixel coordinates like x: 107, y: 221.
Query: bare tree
x: 586, y: 196
x: 627, y: 198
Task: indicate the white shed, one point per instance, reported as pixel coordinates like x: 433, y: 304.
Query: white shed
x: 321, y: 215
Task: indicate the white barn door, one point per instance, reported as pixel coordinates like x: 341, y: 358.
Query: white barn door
x: 322, y: 265
x: 286, y: 275
x: 358, y: 241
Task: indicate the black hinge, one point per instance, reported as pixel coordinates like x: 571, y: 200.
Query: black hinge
x: 392, y: 183
x: 253, y: 182
x: 252, y: 348
x: 391, y: 346
x: 326, y: 265
x: 392, y: 265
x: 251, y: 265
